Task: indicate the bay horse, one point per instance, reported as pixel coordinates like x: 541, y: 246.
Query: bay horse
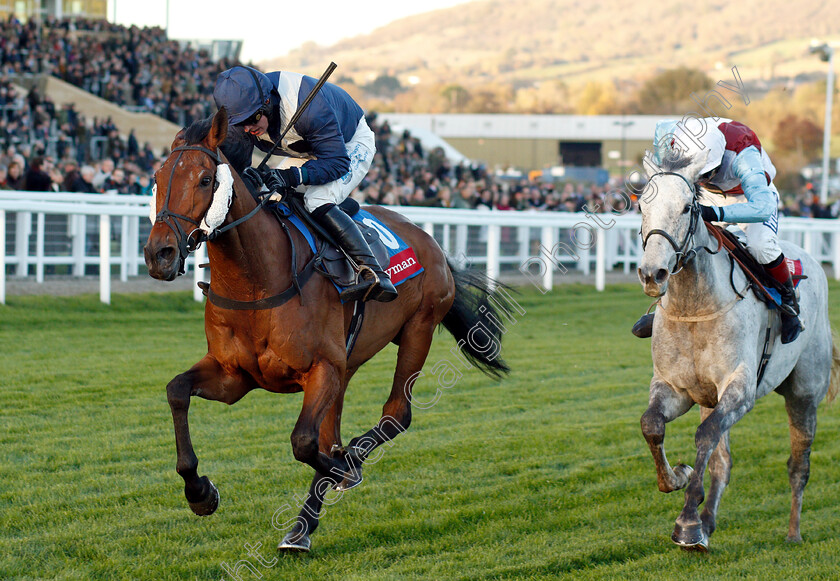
x: 707, y: 348
x: 298, y: 345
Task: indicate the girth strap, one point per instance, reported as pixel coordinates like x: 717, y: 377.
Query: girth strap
x: 261, y: 304
x: 299, y: 280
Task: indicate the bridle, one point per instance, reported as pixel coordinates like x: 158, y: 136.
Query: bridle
x: 189, y: 242
x: 685, y: 251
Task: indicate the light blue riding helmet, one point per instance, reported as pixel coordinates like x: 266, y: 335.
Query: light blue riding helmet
x: 242, y: 91
x: 690, y: 137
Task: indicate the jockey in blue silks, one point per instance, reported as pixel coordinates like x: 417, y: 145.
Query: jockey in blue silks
x: 736, y: 186
x: 331, y: 135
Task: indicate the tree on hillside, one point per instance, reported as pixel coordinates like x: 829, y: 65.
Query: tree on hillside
x: 384, y: 86
x: 456, y: 96
x: 797, y: 134
x: 544, y: 98
x: 597, y: 99
x: 490, y: 98
x: 669, y: 93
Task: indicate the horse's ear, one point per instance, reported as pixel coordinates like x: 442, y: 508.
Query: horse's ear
x: 692, y: 171
x: 649, y: 165
x: 218, y: 131
x: 179, y: 139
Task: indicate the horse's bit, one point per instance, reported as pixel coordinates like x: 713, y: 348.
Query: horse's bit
x: 684, y: 254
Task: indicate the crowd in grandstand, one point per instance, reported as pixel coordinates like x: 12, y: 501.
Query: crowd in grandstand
x: 44, y: 148
x: 132, y: 66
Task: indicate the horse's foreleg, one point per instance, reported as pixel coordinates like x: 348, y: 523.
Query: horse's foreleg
x: 802, y: 417
x: 665, y: 405
x: 735, y: 401
x: 206, y: 380
x: 321, y: 390
x: 720, y: 466
x: 297, y: 539
x: 396, y: 413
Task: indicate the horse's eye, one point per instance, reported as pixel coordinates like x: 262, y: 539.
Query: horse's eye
x: 687, y: 208
x: 206, y: 181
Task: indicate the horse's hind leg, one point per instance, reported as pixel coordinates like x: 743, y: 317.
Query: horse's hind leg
x: 665, y: 405
x: 803, y: 390
x: 205, y: 379
x: 416, y: 338
x: 720, y: 466
x: 802, y: 417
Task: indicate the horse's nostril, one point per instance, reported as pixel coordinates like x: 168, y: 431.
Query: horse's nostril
x: 661, y: 275
x: 166, y: 254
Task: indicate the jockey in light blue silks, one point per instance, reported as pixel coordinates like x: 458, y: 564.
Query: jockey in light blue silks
x: 736, y: 187
x: 334, y: 138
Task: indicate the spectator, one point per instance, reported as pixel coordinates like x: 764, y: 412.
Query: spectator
x: 115, y: 183
x: 83, y: 183
x: 103, y: 172
x: 37, y: 178
x: 142, y: 185
x: 15, y: 176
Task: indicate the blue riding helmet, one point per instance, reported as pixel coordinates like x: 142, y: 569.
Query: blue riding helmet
x: 242, y: 91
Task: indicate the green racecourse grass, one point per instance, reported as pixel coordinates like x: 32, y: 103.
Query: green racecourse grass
x: 544, y: 475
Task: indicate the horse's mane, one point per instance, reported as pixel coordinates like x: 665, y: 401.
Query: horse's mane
x: 675, y: 163
x: 236, y: 147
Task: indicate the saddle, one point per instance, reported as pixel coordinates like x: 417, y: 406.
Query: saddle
x: 333, y: 263
x: 765, y: 287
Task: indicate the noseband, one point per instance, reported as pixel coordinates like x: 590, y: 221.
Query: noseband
x: 683, y: 250
x: 186, y: 242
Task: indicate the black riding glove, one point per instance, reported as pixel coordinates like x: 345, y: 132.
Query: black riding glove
x: 278, y: 180
x: 252, y: 178
x: 711, y: 213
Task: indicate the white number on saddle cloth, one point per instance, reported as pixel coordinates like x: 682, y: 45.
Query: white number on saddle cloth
x: 387, y: 238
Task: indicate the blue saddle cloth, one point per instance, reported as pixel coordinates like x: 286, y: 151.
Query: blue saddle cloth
x: 403, y: 265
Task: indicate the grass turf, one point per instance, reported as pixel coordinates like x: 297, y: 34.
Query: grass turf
x: 541, y: 476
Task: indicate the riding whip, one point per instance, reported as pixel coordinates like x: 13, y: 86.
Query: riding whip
x: 299, y: 112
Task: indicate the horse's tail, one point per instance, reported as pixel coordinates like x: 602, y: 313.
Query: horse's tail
x: 834, y: 383
x: 474, y: 320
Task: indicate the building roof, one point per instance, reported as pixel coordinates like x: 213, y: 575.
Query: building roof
x: 562, y: 127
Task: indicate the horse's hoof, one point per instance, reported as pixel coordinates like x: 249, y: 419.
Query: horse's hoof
x: 348, y: 483
x: 207, y: 505
x: 295, y: 543
x: 794, y: 539
x: 691, y: 538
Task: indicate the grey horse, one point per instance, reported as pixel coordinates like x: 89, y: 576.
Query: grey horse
x: 707, y: 346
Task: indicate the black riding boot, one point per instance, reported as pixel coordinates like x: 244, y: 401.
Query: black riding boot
x: 791, y: 326
x: 643, y: 327
x: 373, y: 283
